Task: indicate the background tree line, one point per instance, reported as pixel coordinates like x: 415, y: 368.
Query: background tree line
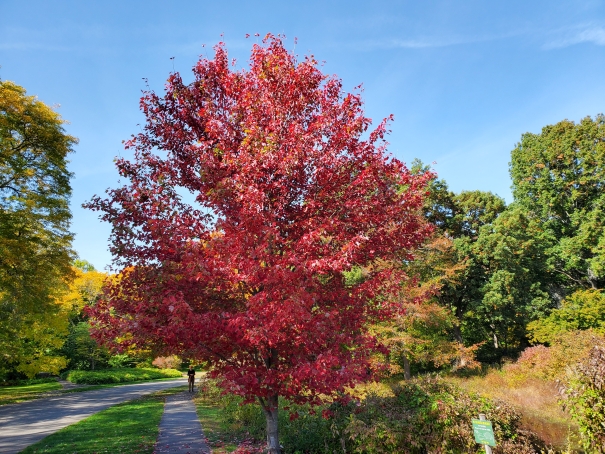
x: 504, y: 277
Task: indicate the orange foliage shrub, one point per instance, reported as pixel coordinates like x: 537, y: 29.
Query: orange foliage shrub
x: 167, y: 362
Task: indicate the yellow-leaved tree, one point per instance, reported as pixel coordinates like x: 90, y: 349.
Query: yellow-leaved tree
x: 81, y: 351
x: 35, y: 242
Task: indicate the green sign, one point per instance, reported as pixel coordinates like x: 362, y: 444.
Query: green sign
x: 484, y: 434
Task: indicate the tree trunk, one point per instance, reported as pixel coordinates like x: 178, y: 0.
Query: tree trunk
x: 460, y: 360
x: 407, y: 374
x: 457, y: 333
x: 271, y: 412
x: 496, y: 343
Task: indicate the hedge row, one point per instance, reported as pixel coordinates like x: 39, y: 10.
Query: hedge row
x: 100, y: 377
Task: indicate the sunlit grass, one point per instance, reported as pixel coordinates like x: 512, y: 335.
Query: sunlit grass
x: 130, y: 427
x: 20, y: 393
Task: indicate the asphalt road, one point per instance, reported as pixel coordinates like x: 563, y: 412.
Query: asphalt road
x: 26, y: 423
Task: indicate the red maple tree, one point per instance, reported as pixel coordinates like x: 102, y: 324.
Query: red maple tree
x: 251, y: 195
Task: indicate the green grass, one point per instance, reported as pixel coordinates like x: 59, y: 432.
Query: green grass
x: 20, y: 393
x: 223, y: 434
x: 130, y: 427
x: 220, y: 438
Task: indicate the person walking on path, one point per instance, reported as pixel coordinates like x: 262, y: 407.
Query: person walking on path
x: 191, y: 376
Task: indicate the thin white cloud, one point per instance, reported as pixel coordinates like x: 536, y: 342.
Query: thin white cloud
x: 429, y: 42
x: 425, y: 42
x: 593, y: 34
x: 414, y: 43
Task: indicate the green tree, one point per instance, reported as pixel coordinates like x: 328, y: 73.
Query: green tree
x: 497, y: 280
x: 82, y: 351
x: 461, y: 222
x: 35, y: 242
x: 582, y: 310
x: 559, y: 176
x: 510, y: 251
x: 458, y: 218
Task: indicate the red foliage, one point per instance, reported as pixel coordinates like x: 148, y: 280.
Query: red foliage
x: 249, y: 196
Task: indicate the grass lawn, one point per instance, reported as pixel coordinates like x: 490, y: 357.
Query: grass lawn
x: 21, y: 393
x: 219, y: 438
x: 131, y: 427
x: 13, y: 394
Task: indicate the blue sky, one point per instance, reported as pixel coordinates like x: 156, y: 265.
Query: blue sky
x: 464, y: 79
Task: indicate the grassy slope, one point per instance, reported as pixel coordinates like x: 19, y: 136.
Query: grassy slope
x: 534, y: 398
x: 131, y: 427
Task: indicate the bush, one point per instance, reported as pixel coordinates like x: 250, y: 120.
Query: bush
x: 566, y: 350
x: 167, y: 362
x: 429, y: 415
x: 584, y: 309
x: 583, y: 395
x: 426, y: 415
x: 119, y: 375
x: 121, y: 361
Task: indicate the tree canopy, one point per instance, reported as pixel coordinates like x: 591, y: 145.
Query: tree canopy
x: 559, y: 176
x: 35, y: 242
x: 289, y: 190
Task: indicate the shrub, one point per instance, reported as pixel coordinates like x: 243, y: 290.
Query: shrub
x: 167, y: 362
x: 429, y: 415
x: 583, y: 395
x: 584, y: 309
x: 425, y: 415
x: 26, y: 382
x: 551, y: 363
x: 119, y: 375
x: 121, y: 361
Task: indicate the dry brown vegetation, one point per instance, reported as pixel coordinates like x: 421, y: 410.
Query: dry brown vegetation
x: 534, y: 398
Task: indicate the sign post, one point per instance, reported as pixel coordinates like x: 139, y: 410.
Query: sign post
x: 484, y: 433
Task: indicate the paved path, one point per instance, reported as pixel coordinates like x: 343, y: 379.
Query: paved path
x: 26, y: 423
x: 180, y: 428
